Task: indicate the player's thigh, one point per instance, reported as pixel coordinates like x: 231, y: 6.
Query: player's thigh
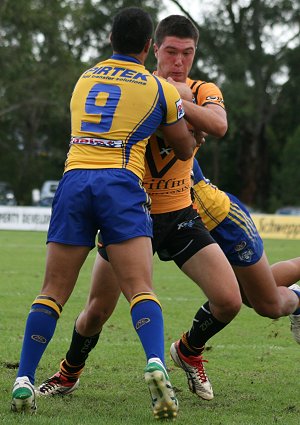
x: 63, y: 264
x: 258, y: 282
x: 105, y: 289
x: 210, y: 269
x: 184, y: 235
x: 132, y: 264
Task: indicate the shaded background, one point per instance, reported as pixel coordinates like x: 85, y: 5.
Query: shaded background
x: 251, y: 49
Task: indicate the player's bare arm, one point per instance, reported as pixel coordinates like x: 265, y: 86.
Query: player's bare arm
x: 180, y: 139
x: 211, y: 118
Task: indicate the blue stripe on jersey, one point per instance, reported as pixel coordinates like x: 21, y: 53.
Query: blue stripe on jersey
x: 162, y: 99
x: 125, y: 58
x: 198, y: 175
x: 159, y: 108
x: 143, y: 128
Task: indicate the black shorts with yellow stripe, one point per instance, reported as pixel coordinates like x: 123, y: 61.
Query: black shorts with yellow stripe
x: 177, y: 236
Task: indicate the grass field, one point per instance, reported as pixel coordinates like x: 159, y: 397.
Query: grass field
x: 253, y: 363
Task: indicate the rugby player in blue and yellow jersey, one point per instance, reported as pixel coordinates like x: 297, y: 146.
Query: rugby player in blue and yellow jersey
x: 263, y: 285
x: 115, y: 107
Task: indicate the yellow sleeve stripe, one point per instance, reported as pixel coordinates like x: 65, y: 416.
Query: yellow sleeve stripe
x: 48, y: 301
x: 143, y: 296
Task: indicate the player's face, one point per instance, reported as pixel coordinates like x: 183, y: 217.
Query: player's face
x: 175, y: 57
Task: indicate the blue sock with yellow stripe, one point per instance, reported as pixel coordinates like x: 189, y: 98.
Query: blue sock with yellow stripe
x: 148, y: 322
x: 40, y: 327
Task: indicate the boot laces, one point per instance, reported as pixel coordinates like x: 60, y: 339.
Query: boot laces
x: 197, y: 363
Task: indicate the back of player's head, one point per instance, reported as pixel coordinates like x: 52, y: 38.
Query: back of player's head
x: 175, y: 26
x: 131, y: 29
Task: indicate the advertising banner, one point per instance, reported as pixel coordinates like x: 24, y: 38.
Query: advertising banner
x: 24, y: 218
x: 272, y: 226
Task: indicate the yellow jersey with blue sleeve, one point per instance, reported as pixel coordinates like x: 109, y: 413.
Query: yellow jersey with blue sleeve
x: 115, y: 107
x: 168, y: 179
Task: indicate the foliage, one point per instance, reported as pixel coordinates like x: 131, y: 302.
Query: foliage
x: 287, y: 182
x: 249, y: 48
x: 44, y: 47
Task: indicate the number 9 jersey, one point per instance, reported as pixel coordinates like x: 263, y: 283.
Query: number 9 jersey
x: 115, y: 107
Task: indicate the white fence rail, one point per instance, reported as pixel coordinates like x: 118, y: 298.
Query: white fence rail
x: 24, y: 218
x: 37, y: 218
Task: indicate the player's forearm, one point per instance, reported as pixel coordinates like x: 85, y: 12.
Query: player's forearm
x: 207, y: 119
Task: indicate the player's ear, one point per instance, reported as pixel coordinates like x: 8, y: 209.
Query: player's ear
x: 148, y: 45
x: 155, y: 49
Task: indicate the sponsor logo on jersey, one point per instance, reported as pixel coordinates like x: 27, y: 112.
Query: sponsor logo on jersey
x: 215, y: 99
x: 117, y: 72
x: 180, y: 110
x: 97, y: 142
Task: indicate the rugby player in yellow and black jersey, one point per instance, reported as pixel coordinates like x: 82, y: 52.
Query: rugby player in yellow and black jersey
x: 115, y: 107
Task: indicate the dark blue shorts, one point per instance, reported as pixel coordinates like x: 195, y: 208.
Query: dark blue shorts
x: 112, y: 200
x: 177, y: 236
x: 238, y: 236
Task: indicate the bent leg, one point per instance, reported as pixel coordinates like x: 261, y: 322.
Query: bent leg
x: 212, y: 272
x: 287, y: 272
x: 102, y: 299
x: 260, y: 288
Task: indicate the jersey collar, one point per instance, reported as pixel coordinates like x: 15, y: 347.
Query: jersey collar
x: 125, y: 58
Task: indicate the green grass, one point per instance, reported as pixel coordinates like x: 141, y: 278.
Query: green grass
x: 252, y: 363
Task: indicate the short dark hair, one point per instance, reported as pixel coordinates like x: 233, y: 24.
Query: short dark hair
x: 131, y: 29
x: 176, y: 26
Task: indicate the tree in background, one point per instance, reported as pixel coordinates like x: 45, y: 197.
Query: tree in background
x: 286, y: 128
x: 44, y: 47
x: 244, y: 46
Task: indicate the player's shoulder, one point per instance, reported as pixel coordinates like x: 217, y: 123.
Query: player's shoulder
x: 195, y: 85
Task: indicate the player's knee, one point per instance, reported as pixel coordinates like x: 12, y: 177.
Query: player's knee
x: 234, y: 306
x: 95, y: 318
x: 227, y: 309
x: 266, y: 309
